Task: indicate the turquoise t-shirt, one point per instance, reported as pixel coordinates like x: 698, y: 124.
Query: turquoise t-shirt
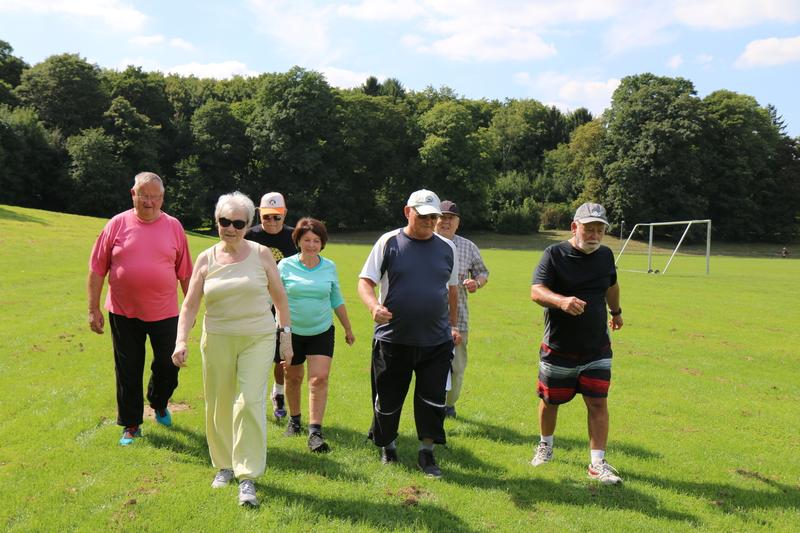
x: 312, y: 293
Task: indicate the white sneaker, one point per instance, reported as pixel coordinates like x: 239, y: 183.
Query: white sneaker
x: 222, y: 478
x: 247, y: 493
x: 604, y: 473
x: 544, y: 454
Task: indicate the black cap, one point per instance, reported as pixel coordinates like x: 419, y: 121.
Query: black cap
x: 449, y: 207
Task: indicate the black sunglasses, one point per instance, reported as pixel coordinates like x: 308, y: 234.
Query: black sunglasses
x: 238, y: 224
x: 432, y: 216
x: 276, y: 218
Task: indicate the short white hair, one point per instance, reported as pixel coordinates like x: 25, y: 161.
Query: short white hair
x: 146, y: 177
x: 236, y: 200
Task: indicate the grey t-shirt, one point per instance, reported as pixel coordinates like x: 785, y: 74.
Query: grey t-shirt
x: 413, y: 276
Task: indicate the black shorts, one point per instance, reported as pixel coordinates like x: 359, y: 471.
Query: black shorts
x: 305, y: 345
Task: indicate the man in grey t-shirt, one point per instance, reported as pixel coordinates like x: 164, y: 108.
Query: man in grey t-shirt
x: 415, y: 318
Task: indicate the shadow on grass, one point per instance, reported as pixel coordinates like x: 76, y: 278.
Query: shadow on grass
x: 731, y: 499
x: 189, y: 443
x: 6, y: 214
x: 420, y: 515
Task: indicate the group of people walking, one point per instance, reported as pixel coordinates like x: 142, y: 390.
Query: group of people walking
x: 270, y: 298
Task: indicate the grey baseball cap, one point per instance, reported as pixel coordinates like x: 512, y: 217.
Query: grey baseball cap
x: 590, y: 212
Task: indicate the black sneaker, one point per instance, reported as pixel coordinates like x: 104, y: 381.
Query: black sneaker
x: 316, y: 443
x: 293, y: 429
x: 450, y: 411
x: 427, y: 464
x: 388, y: 455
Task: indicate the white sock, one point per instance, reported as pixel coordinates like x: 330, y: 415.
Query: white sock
x: 547, y: 440
x: 277, y: 389
x: 597, y: 456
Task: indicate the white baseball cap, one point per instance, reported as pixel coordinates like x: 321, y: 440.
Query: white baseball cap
x: 272, y: 203
x: 425, y: 202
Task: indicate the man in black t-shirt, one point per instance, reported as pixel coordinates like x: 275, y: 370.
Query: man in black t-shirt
x: 574, y: 282
x: 276, y: 236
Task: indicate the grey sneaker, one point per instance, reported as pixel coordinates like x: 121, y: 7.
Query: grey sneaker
x: 317, y: 444
x: 544, y: 454
x: 604, y: 473
x: 247, y: 493
x: 293, y: 429
x: 222, y: 478
x: 450, y: 411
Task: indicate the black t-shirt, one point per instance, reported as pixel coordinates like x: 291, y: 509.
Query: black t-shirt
x: 280, y: 243
x: 567, y: 271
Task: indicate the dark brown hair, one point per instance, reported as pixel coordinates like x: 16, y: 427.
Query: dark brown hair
x: 306, y: 224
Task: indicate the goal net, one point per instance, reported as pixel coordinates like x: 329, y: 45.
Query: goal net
x: 651, y: 269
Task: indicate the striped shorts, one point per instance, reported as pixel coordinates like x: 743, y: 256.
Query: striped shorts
x: 563, y: 375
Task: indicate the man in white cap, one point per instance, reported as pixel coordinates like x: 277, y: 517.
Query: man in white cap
x: 415, y: 316
x: 277, y: 236
x: 575, y: 281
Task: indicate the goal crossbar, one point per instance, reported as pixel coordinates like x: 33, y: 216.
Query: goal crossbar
x: 688, y: 223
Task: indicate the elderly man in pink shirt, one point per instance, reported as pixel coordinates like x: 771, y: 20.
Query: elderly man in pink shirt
x: 145, y: 254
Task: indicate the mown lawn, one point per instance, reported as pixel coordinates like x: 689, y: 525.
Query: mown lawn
x: 703, y: 404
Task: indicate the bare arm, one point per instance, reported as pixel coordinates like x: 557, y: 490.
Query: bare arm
x: 189, y: 309
x: 94, y: 288
x: 612, y: 298
x: 543, y: 296
x: 341, y: 314
x: 281, y: 302
x: 452, y: 300
x: 366, y: 291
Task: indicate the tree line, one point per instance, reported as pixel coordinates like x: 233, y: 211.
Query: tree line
x: 73, y: 135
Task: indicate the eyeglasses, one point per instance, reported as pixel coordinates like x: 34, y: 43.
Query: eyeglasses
x: 276, y: 218
x: 238, y: 224
x: 149, y: 197
x: 432, y: 216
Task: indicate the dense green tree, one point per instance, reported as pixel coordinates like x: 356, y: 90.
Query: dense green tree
x: 749, y: 169
x: 101, y: 182
x: 295, y: 137
x: 392, y: 88
x: 653, y: 151
x: 453, y: 162
x: 11, y: 66
x: 31, y: 162
x: 371, y: 87
x: 66, y: 92
x: 521, y: 136
x: 135, y: 138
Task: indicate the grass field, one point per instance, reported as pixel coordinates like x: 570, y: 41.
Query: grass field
x: 704, y: 410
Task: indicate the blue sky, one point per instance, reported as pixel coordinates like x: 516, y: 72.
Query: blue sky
x: 570, y: 53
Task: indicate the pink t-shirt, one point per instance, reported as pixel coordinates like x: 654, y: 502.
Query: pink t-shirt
x: 143, y: 263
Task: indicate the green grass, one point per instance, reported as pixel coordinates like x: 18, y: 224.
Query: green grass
x: 703, y: 410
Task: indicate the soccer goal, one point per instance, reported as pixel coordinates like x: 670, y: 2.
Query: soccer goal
x: 651, y: 225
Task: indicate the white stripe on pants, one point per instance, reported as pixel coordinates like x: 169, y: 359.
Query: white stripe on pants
x: 459, y: 365
x: 235, y: 370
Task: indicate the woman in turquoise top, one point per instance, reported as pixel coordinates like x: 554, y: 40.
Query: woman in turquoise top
x: 312, y: 285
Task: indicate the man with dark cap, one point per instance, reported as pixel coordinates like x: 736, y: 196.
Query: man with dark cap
x: 472, y: 275
x: 575, y: 281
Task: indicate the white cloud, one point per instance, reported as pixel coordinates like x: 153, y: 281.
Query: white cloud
x: 729, y: 14
x: 638, y: 28
x: 346, y: 79
x: 675, y: 61
x: 568, y: 92
x: 704, y: 59
x: 491, y: 44
x: 388, y: 10
x: 770, y: 52
x: 147, y: 40
x: 113, y: 14
x: 301, y: 28
x: 225, y: 69
x: 177, y: 42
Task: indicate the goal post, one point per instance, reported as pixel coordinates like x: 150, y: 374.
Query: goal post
x: 651, y: 225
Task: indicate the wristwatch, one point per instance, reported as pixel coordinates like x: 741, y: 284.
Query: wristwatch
x: 285, y: 329
x: 615, y: 313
